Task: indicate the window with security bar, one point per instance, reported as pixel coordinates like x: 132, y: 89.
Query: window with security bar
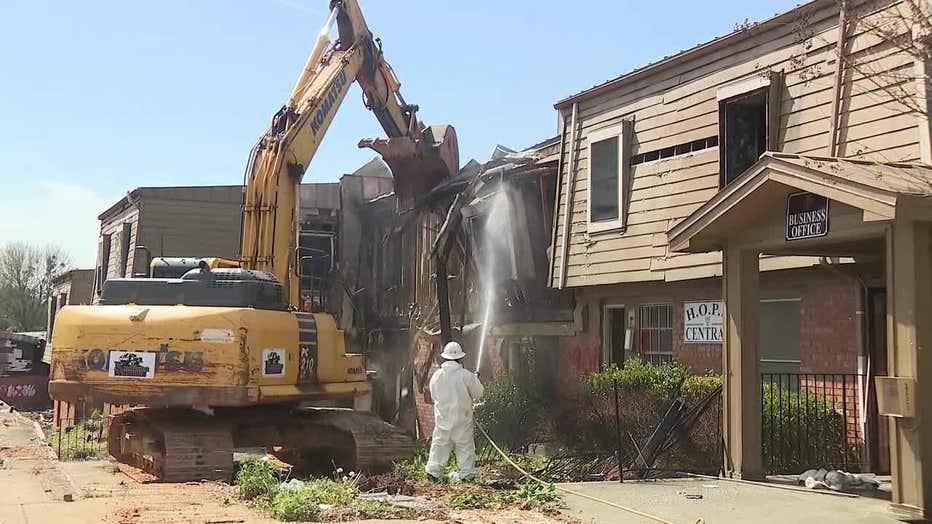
x: 655, y: 327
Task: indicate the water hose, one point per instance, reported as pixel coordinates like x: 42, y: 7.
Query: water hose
x: 572, y: 492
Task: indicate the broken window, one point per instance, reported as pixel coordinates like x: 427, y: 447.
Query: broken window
x: 743, y: 123
x: 655, y: 327
x: 317, y: 261
x: 391, y: 266
x: 680, y: 149
x: 125, y: 234
x: 103, y: 261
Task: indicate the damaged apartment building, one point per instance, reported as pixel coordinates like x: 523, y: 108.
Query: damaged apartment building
x: 373, y: 263
x: 734, y: 207
x: 393, y: 261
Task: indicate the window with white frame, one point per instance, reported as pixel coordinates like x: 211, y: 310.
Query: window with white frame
x: 655, y: 327
x: 608, y: 169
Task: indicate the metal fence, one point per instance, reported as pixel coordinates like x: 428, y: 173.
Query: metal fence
x: 813, y: 420
x: 82, y: 437
x: 640, y: 433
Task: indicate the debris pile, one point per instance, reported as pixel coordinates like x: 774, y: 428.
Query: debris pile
x: 402, y: 493
x: 836, y: 480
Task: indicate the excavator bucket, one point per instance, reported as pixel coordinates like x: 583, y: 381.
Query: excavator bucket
x: 418, y: 165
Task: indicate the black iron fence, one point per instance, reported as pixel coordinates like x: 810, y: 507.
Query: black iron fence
x: 813, y: 420
x: 80, y: 437
x: 637, y: 431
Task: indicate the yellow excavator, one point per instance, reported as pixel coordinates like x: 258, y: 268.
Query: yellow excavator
x: 222, y: 356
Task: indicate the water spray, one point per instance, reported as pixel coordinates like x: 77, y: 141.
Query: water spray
x: 493, y: 242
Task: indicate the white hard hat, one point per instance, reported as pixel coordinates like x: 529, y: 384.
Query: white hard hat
x: 452, y: 351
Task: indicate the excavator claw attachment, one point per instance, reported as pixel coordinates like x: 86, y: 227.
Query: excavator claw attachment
x: 418, y: 164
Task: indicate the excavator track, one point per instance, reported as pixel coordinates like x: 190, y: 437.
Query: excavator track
x: 174, y: 445
x: 178, y: 445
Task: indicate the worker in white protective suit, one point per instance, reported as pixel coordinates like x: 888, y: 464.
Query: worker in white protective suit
x: 454, y: 390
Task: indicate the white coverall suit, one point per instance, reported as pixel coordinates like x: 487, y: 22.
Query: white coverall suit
x: 454, y: 390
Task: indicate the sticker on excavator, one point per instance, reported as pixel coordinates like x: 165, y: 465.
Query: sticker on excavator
x: 217, y: 336
x: 273, y: 362
x: 132, y: 364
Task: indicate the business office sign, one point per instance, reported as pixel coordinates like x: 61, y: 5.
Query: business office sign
x: 702, y: 322
x: 806, y: 216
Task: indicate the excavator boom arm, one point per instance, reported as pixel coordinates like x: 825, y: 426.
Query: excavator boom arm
x: 416, y: 154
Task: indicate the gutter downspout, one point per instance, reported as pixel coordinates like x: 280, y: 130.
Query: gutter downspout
x: 839, y: 72
x: 568, y: 214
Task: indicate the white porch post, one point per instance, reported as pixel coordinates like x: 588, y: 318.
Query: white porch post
x: 740, y: 369
x: 909, y: 354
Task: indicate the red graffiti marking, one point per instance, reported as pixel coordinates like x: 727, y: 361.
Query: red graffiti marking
x: 585, y: 358
x: 19, y: 391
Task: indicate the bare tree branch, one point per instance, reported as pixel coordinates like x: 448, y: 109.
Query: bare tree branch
x: 899, y: 28
x: 26, y: 274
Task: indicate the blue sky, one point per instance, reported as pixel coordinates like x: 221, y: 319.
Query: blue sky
x: 102, y: 96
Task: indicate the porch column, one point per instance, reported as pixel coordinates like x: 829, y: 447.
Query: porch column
x: 909, y: 344
x: 740, y: 370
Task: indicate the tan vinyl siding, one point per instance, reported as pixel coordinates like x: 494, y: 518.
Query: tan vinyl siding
x: 114, y: 226
x: 171, y: 221
x: 677, y: 104
x: 202, y: 222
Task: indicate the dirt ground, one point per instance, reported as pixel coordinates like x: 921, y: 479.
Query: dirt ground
x: 111, y: 497
x: 36, y: 487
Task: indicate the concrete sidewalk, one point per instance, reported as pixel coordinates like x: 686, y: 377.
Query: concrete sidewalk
x: 722, y: 502
x: 34, y: 488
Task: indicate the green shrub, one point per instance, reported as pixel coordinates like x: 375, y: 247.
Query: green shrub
x: 294, y: 505
x: 801, y: 429
x: 645, y: 392
x: 508, y: 413
x: 303, y: 503
x: 476, y: 500
x: 329, y: 491
x: 529, y: 495
x: 696, y: 387
x: 85, y: 441
x: 413, y: 469
x: 663, y: 381
x: 258, y: 478
x: 534, y: 495
x: 371, y: 509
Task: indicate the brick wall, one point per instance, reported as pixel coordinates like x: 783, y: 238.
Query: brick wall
x: 828, y: 322
x: 829, y: 329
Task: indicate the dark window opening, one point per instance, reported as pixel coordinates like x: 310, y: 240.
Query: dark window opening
x: 605, y: 180
x: 317, y: 262
x: 103, y: 262
x: 125, y: 234
x: 391, y: 266
x: 614, y: 336
x: 677, y: 150
x: 744, y: 122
